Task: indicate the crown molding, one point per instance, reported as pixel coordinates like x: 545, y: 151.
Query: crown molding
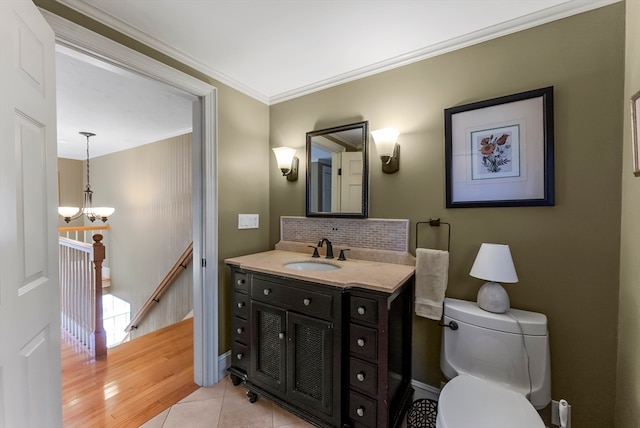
x: 563, y: 10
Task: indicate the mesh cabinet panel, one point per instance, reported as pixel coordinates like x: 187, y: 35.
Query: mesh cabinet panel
x: 269, y: 354
x: 309, y: 361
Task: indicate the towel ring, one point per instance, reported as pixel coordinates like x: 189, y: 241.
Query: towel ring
x: 435, y: 222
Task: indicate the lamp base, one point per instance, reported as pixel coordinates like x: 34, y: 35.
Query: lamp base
x: 492, y: 297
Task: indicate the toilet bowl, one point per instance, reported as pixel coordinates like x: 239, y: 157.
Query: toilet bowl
x: 468, y: 402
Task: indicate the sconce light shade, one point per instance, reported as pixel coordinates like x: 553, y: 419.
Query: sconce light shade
x: 388, y: 149
x: 494, y: 264
x: 287, y: 162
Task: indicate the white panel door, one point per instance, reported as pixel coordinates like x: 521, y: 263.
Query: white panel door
x: 30, y: 379
x: 351, y: 186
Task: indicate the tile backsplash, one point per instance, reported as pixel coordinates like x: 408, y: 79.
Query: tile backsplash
x: 375, y: 233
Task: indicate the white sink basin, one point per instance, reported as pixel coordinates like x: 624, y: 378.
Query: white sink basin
x: 311, y: 266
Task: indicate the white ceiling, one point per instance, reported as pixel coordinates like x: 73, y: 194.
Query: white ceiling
x: 271, y: 50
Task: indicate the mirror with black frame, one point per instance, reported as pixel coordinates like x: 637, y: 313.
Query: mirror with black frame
x: 338, y: 172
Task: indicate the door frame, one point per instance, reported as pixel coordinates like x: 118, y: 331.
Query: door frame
x: 207, y: 367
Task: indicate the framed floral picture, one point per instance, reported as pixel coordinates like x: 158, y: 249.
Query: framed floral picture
x: 499, y: 152
x: 635, y: 132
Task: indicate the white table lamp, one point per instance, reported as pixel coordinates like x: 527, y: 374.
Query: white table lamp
x: 494, y: 264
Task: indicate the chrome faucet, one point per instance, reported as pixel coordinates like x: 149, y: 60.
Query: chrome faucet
x: 329, y: 247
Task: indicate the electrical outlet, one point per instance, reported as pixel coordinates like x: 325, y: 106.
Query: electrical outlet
x: 248, y: 221
x: 555, y: 417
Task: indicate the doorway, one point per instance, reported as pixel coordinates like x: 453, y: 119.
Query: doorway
x: 204, y: 202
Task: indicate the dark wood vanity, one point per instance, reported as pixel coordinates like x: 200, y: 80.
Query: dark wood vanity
x: 336, y: 355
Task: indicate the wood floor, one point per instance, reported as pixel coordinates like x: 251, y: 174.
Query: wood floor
x: 136, y: 381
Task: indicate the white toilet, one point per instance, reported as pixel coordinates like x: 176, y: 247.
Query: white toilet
x: 498, y: 368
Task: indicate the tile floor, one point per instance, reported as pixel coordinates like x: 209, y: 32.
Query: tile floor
x: 226, y: 406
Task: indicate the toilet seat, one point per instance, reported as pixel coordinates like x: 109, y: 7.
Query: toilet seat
x: 469, y: 402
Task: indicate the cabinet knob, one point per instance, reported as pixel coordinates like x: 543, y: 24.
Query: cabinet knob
x: 240, y: 330
x: 360, y: 377
x: 281, y: 336
x: 360, y: 411
x: 306, y: 302
x: 361, y: 310
x: 360, y: 342
x: 267, y: 291
x: 240, y: 305
x: 241, y: 282
x: 239, y: 356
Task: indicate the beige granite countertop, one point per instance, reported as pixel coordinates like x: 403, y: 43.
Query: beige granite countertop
x: 373, y: 275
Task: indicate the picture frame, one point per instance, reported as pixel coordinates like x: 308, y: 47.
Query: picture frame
x: 499, y: 152
x: 635, y: 132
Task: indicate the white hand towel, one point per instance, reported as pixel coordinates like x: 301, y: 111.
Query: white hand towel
x: 432, y: 272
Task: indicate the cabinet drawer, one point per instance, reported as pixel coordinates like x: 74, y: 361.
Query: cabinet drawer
x: 362, y: 410
x: 364, y: 310
x: 363, y: 376
x: 240, y: 330
x: 240, y: 305
x: 293, y: 298
x: 240, y: 356
x: 240, y: 281
x: 363, y: 341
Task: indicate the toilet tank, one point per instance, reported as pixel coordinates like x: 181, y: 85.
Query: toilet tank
x: 494, y: 347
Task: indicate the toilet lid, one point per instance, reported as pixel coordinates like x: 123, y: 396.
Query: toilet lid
x: 466, y: 402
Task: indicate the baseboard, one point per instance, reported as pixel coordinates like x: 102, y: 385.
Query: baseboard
x: 422, y: 390
x: 224, y: 362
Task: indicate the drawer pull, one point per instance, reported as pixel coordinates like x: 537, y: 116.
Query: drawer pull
x: 240, y: 305
x: 360, y: 411
x: 267, y: 291
x: 280, y: 336
x: 241, y: 282
x: 361, y: 310
x: 240, y: 330
x: 306, y: 302
x: 360, y: 377
x: 240, y: 356
x: 360, y: 342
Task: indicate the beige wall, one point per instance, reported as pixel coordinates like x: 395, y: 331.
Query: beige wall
x: 567, y: 255
x: 71, y: 175
x: 150, y: 187
x: 628, y: 378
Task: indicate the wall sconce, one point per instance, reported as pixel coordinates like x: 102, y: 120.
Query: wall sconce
x: 287, y: 162
x: 388, y: 149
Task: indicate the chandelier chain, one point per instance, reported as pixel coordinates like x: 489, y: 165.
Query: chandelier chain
x: 88, y: 182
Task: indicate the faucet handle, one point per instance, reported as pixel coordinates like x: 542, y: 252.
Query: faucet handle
x: 315, y: 251
x: 341, y: 256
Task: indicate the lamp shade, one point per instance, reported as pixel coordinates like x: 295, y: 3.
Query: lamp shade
x: 385, y: 139
x: 284, y: 157
x: 68, y: 211
x: 103, y: 211
x: 494, y: 263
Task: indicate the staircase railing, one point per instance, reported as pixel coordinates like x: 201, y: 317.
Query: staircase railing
x: 164, y: 285
x: 73, y: 232
x: 81, y: 292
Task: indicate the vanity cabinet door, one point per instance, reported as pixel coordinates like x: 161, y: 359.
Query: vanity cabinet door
x: 310, y: 362
x: 268, y: 340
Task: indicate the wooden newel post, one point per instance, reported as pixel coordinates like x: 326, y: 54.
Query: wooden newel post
x: 99, y: 336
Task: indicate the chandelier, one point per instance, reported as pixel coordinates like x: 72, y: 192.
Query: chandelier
x: 92, y: 213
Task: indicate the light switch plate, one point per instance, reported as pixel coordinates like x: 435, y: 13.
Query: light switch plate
x: 248, y: 221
